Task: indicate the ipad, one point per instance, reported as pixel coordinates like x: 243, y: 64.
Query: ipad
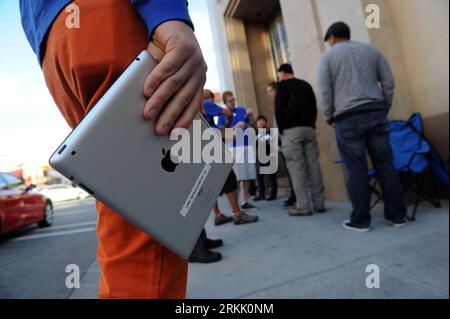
x: 114, y: 155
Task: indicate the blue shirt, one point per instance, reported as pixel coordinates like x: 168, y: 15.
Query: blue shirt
x: 239, y: 115
x: 212, y: 110
x: 38, y: 16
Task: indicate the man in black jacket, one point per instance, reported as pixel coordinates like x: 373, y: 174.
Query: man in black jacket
x: 296, y: 115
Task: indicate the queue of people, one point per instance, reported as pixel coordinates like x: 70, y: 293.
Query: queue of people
x: 356, y: 89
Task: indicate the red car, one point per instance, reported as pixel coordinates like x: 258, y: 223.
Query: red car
x: 20, y: 206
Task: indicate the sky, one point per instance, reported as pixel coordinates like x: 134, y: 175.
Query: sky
x: 31, y: 127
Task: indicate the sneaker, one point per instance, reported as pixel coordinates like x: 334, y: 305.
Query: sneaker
x: 245, y: 219
x: 249, y: 208
x: 297, y: 212
x: 271, y: 198
x: 350, y: 226
x: 213, y: 243
x: 398, y: 223
x: 222, y: 220
x: 204, y: 256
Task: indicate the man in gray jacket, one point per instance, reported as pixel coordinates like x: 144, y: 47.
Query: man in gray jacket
x: 356, y: 88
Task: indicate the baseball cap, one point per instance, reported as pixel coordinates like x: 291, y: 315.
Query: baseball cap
x: 286, y: 68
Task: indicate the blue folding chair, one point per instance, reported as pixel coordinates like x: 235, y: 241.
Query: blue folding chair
x: 412, y: 155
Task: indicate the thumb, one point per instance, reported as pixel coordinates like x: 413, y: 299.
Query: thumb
x: 156, y: 52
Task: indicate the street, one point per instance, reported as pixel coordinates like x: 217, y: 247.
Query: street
x: 33, y: 260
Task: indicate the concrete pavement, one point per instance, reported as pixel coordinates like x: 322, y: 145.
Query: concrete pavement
x: 314, y: 257
x: 33, y: 260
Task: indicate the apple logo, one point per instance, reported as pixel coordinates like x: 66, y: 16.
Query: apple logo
x: 167, y: 164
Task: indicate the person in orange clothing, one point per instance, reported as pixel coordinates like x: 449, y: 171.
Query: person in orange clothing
x: 79, y: 65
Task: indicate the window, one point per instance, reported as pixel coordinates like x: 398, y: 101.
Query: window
x: 278, y: 37
x: 12, y: 181
x: 3, y: 184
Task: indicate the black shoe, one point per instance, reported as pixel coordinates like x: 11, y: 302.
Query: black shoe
x: 204, y: 257
x: 245, y: 219
x: 258, y: 199
x: 213, y: 243
x: 223, y: 220
x: 271, y: 198
x: 350, y: 226
x: 249, y: 208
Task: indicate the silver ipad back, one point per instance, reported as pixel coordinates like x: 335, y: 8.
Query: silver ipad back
x: 115, y: 155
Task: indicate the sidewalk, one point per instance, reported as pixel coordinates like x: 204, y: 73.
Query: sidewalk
x: 314, y: 257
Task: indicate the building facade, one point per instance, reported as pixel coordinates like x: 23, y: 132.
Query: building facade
x: 253, y: 37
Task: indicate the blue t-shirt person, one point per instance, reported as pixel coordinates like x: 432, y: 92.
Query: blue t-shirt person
x: 38, y: 16
x: 239, y: 116
x: 212, y: 111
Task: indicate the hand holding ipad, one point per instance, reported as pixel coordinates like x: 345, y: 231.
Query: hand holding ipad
x: 115, y: 155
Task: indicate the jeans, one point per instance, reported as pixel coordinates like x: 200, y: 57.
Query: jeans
x: 302, y: 159
x: 357, y: 135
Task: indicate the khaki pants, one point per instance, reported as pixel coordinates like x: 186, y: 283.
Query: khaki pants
x: 302, y: 160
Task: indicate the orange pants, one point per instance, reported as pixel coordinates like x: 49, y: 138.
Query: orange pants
x: 79, y: 65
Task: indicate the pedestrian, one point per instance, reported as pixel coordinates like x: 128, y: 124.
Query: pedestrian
x: 242, y: 120
x: 356, y: 91
x: 290, y: 202
x: 230, y: 189
x: 79, y: 65
x: 266, y: 140
x: 296, y: 115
